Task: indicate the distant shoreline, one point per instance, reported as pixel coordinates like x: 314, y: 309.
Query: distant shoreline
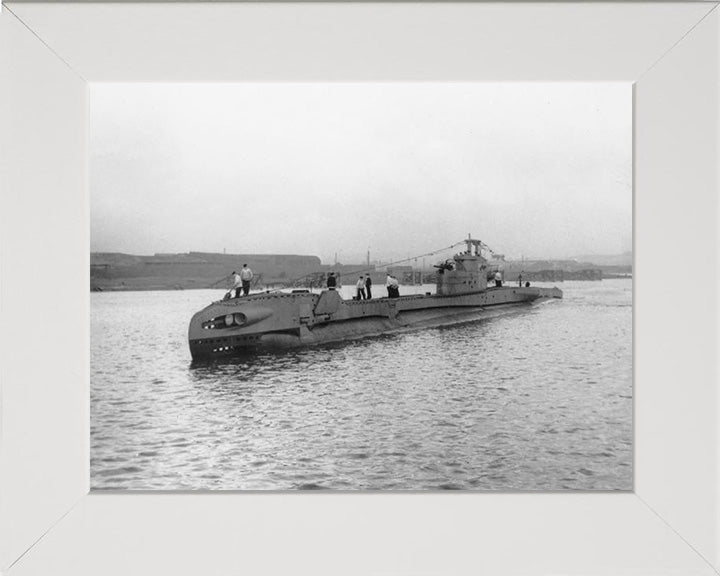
x: 116, y: 272
x: 127, y: 288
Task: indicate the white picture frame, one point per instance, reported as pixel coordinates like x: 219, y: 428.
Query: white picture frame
x: 51, y: 524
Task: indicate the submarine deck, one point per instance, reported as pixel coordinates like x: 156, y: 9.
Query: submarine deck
x: 298, y: 319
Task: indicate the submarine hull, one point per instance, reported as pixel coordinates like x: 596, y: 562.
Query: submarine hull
x: 278, y: 321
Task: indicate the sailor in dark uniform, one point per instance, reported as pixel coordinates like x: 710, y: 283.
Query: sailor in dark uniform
x: 368, y: 287
x: 392, y: 286
x: 331, y: 281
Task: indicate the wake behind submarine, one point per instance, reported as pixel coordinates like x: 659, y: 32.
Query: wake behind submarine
x: 272, y: 320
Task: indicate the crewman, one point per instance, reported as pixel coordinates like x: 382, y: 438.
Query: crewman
x: 360, y: 287
x: 237, y: 284
x: 498, y: 279
x: 246, y: 275
x: 368, y: 287
x: 331, y: 281
x: 520, y: 279
x: 392, y: 286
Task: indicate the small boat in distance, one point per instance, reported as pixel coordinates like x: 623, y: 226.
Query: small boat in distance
x: 286, y: 320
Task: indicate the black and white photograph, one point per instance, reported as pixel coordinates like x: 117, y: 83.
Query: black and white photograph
x: 361, y: 286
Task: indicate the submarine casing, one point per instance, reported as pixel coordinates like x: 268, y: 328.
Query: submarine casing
x: 289, y: 320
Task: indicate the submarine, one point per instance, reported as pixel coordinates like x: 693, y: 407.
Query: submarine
x: 278, y: 320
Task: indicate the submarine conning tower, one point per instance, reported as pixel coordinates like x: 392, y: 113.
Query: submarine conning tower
x: 465, y: 272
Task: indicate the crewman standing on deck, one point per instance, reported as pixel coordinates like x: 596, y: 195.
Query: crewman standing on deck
x: 331, y: 281
x: 246, y: 275
x: 368, y: 287
x: 498, y: 279
x: 392, y: 286
x: 360, y: 286
x: 237, y: 285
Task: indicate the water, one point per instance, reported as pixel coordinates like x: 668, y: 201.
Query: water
x: 537, y: 398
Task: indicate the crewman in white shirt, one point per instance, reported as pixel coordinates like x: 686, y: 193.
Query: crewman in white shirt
x: 237, y: 285
x: 246, y: 275
x: 360, y: 286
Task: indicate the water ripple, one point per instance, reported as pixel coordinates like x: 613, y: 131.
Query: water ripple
x: 536, y: 398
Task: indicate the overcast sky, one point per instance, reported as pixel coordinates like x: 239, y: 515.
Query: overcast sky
x: 539, y: 170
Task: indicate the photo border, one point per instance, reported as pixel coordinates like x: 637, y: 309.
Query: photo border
x: 49, y: 522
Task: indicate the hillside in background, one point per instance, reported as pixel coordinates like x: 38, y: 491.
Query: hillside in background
x: 116, y: 271
x: 198, y: 270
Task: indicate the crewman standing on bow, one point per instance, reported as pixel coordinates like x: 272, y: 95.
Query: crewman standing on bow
x: 246, y: 275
